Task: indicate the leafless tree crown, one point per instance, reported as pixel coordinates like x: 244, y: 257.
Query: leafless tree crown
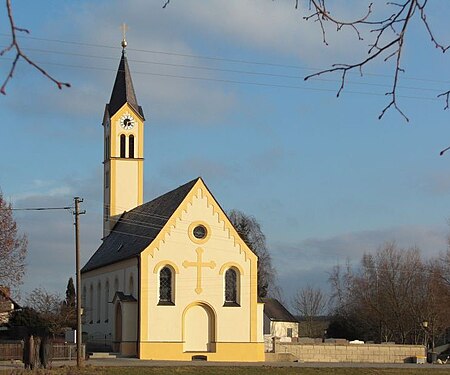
x: 250, y: 231
x: 391, y: 293
x: 13, y: 248
x: 309, y: 303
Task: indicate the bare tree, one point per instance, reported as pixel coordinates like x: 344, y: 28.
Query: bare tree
x: 45, y: 303
x: 309, y: 303
x: 445, y: 264
x: 392, y: 292
x: 50, y: 308
x: 250, y: 231
x: 13, y: 248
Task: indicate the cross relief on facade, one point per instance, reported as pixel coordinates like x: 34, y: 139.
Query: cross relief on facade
x: 199, y: 264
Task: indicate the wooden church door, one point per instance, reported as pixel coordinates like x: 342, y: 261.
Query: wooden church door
x: 118, y: 324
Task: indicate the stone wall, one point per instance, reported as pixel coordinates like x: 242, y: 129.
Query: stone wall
x: 369, y: 353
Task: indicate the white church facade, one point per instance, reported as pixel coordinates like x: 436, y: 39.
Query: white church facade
x: 172, y: 278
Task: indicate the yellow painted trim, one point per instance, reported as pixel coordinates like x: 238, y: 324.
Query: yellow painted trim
x: 128, y: 108
x: 191, y: 232
x: 253, y: 301
x: 141, y: 182
x: 230, y: 265
x: 163, y: 263
x: 225, y: 352
x: 112, y: 193
x: 143, y: 296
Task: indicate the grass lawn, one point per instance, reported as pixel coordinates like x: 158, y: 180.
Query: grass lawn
x: 233, y: 371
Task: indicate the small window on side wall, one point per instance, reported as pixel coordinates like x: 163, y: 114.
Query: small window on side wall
x: 231, y: 288
x: 166, y: 287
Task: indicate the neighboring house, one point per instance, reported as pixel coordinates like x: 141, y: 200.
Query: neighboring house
x: 7, y: 305
x: 278, y: 321
x: 172, y: 279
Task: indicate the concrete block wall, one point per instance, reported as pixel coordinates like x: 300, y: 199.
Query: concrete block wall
x: 369, y: 353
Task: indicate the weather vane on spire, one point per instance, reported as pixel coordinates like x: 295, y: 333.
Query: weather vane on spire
x: 124, y: 28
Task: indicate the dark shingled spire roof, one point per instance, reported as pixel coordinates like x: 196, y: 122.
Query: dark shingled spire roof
x: 123, y: 90
x: 136, y: 229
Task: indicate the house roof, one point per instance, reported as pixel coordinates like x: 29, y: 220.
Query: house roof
x: 123, y: 90
x: 137, y: 228
x: 275, y: 311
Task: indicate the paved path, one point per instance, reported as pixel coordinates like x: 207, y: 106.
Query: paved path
x: 133, y: 362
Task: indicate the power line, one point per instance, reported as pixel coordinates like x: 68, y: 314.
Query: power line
x: 250, y: 83
x: 39, y: 208
x: 213, y: 58
x: 197, y: 67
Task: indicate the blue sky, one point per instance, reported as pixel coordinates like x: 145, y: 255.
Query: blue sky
x: 325, y: 178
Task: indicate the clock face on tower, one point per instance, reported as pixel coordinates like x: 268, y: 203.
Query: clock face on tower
x: 127, y: 121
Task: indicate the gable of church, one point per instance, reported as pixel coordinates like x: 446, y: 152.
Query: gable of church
x: 198, y: 263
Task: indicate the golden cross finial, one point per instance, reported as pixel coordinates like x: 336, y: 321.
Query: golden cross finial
x: 124, y: 28
x: 199, y: 264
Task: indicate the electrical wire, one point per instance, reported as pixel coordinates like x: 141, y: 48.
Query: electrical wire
x: 237, y: 82
x: 223, y: 70
x: 213, y: 58
x: 206, y: 68
x: 39, y: 208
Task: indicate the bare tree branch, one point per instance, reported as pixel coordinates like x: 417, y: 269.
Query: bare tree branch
x: 446, y: 94
x: 393, y: 29
x: 393, y: 47
x: 14, y: 45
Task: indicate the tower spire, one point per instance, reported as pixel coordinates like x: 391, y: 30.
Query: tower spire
x: 123, y: 124
x: 123, y: 90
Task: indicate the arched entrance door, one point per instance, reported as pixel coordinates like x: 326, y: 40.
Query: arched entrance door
x: 118, y: 326
x: 199, y: 328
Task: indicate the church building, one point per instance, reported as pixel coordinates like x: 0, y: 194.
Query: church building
x: 172, y: 279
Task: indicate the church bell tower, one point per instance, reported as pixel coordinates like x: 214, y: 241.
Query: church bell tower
x: 123, y: 124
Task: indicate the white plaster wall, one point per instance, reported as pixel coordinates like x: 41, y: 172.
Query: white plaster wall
x: 279, y: 329
x: 120, y: 272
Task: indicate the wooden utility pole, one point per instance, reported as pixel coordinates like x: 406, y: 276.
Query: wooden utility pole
x: 77, y: 213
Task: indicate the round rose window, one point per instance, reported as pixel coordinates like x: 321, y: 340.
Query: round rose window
x: 200, y: 232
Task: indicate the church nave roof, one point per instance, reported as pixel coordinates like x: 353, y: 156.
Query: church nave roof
x: 137, y: 228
